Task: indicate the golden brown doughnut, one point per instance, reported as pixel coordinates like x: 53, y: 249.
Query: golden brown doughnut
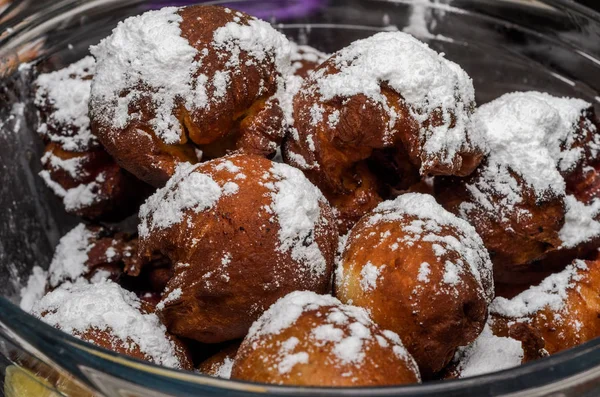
x: 241, y: 231
x: 212, y: 88
x: 75, y: 166
x: 523, y: 199
x: 421, y: 272
x: 106, y: 315
x: 564, y: 308
x: 306, y: 339
x: 378, y: 115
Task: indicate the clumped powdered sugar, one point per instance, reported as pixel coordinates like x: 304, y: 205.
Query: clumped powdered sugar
x: 259, y: 40
x: 581, y: 222
x: 34, y: 289
x: 350, y: 341
x: 146, y: 56
x: 224, y: 370
x: 425, y: 79
x: 80, y: 307
x: 78, y: 197
x: 431, y: 216
x: 68, y: 93
x: 146, y: 49
x: 488, y: 353
x: 185, y: 190
x: 297, y: 204
x: 369, y: 275
x: 71, y: 255
x: 529, y: 134
x: 551, y: 293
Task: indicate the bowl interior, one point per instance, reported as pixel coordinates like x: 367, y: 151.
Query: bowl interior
x: 504, y: 45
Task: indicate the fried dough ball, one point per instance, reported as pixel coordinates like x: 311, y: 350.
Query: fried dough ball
x: 564, y: 308
x: 93, y: 253
x: 306, y: 339
x: 241, y: 231
x: 376, y: 117
x: 522, y: 200
x: 109, y: 316
x: 190, y: 83
x: 220, y: 364
x: 75, y: 166
x: 421, y: 272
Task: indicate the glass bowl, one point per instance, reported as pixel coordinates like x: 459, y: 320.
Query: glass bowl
x: 505, y: 45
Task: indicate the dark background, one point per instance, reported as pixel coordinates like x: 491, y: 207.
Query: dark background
x: 595, y: 4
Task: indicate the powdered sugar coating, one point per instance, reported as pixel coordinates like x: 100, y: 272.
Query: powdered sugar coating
x: 348, y: 327
x: 224, y: 370
x: 105, y: 306
x: 425, y: 79
x: 185, y: 190
x: 34, y: 289
x: 430, y: 217
x: 551, y: 293
x: 261, y: 41
x: 146, y: 49
x: 297, y: 204
x: 529, y: 134
x: 581, y: 222
x: 71, y: 255
x: 67, y: 92
x: 79, y: 197
x: 489, y: 353
x: 147, y: 57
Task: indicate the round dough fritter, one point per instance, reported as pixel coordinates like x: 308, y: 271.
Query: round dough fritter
x: 306, y: 339
x: 106, y: 315
x: 92, y: 252
x: 375, y: 117
x: 564, y: 308
x: 241, y: 231
x: 188, y: 84
x: 421, y: 272
x: 75, y: 166
x: 525, y: 198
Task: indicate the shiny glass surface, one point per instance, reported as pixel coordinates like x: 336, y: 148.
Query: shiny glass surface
x: 505, y: 45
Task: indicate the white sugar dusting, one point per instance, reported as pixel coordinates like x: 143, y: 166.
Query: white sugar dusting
x: 171, y: 297
x: 224, y: 371
x: 147, y: 48
x: 296, y: 203
x: 369, y: 275
x: 529, y: 134
x: 425, y: 79
x: 488, y: 353
x: 581, y: 222
x: 146, y: 56
x: 424, y: 272
x: 431, y: 217
x: 71, y: 255
x: 105, y: 306
x: 551, y: 293
x: 260, y: 41
x: 68, y: 93
x: 185, y: 190
x: 348, y: 328
x: 80, y: 196
x: 34, y: 289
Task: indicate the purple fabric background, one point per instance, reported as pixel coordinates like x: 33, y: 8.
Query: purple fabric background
x: 267, y: 9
